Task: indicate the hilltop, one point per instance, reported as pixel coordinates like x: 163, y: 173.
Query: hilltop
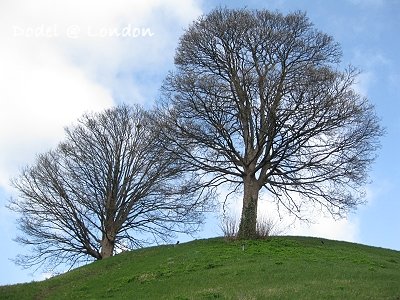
x: 277, y: 268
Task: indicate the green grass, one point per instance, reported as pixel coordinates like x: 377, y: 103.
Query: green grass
x: 278, y: 268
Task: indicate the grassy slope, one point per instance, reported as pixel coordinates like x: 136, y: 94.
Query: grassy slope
x: 280, y: 268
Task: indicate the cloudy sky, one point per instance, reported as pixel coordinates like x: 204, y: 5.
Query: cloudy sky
x: 59, y: 59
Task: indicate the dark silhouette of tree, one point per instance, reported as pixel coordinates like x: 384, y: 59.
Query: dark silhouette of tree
x: 109, y: 186
x: 258, y: 100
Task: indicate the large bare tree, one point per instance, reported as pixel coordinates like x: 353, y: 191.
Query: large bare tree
x: 259, y: 100
x: 108, y: 186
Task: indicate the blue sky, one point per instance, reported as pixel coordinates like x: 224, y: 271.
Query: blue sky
x: 59, y: 59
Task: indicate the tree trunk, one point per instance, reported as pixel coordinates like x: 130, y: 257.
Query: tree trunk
x: 248, y: 222
x: 107, y: 246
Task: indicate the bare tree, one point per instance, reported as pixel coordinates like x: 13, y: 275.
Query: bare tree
x: 258, y: 100
x: 108, y: 186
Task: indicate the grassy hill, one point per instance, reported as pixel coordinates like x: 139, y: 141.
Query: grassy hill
x: 278, y: 268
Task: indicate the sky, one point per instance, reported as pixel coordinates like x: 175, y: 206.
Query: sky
x: 60, y: 59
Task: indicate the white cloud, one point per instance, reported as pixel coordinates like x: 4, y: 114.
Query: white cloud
x: 364, y: 81
x: 48, y: 77
x: 329, y: 228
x: 40, y: 94
x: 43, y: 276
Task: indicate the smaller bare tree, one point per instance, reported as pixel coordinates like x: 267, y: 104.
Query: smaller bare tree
x: 108, y: 186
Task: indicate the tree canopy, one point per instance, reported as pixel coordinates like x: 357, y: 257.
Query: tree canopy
x: 107, y: 187
x: 259, y: 100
